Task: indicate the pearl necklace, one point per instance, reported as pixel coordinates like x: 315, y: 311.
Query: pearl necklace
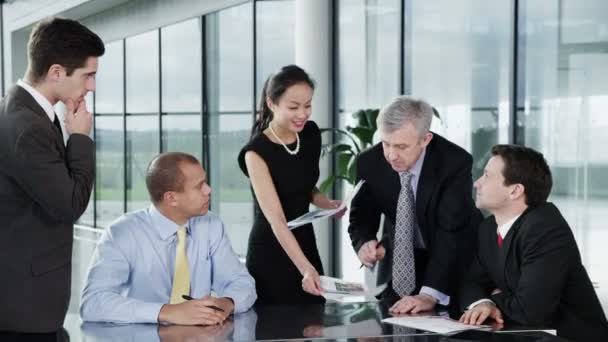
x: 295, y: 151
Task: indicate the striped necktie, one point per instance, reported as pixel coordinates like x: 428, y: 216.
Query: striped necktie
x: 404, y: 270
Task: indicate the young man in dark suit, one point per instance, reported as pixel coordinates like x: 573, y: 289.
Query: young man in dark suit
x: 45, y: 184
x: 528, y: 269
x: 422, y: 183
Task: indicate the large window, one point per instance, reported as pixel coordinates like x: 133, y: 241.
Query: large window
x: 230, y: 100
x: 563, y: 98
x: 88, y: 217
x: 109, y: 135
x: 454, y: 55
x: 458, y: 60
x: 181, y: 77
x: 368, y: 57
x: 275, y: 38
x: 142, y: 124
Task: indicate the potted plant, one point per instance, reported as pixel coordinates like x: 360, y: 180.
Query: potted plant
x: 358, y: 139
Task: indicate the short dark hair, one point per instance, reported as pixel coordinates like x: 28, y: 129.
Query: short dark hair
x: 528, y: 167
x: 165, y: 174
x: 60, y: 41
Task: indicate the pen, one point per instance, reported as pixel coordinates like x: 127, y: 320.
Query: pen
x: 186, y: 297
x: 377, y: 245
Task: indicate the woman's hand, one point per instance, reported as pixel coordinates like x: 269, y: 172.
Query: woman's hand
x: 311, y: 282
x: 334, y: 204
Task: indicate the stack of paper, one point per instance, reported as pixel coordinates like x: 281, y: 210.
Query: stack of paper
x: 343, y: 291
x: 322, y: 213
x: 437, y: 324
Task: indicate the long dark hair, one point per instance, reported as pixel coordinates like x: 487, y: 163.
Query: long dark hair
x: 274, y: 87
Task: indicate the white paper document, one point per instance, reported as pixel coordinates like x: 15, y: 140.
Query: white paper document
x: 322, y: 213
x: 437, y: 324
x: 340, y: 290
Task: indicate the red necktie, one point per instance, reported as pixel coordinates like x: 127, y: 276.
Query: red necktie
x: 499, y: 239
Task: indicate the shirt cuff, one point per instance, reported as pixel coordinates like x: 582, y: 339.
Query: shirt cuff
x: 484, y: 300
x: 442, y: 298
x: 243, y: 300
x: 147, y: 312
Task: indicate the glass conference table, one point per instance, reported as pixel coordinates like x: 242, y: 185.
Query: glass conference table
x: 333, y: 321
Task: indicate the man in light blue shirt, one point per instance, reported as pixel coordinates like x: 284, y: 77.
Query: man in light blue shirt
x: 133, y: 276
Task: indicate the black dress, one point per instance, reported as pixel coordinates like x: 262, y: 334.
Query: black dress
x: 277, y: 279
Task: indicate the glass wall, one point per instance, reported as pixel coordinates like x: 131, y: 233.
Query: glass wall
x: 142, y: 124
x: 368, y: 64
x: 230, y: 99
x: 275, y: 37
x: 563, y: 65
x: 455, y: 55
x: 458, y: 59
x: 88, y: 217
x: 109, y: 135
x: 185, y: 87
x: 181, y: 78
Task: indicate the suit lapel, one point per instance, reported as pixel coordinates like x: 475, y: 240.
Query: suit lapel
x: 26, y: 99
x: 426, y: 183
x: 508, y: 244
x: 389, y: 193
x: 491, y: 253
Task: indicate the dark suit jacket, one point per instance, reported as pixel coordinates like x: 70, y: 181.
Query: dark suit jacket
x: 445, y: 211
x: 539, y: 271
x: 44, y: 188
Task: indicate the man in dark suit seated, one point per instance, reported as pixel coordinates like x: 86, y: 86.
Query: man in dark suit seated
x: 45, y: 185
x: 422, y: 183
x: 528, y: 269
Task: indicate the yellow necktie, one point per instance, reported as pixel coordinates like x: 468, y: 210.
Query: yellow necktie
x: 181, y: 277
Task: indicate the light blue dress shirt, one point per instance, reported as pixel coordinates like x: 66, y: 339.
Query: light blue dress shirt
x: 131, y: 273
x: 442, y: 298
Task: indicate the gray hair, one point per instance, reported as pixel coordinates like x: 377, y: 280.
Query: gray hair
x: 405, y: 109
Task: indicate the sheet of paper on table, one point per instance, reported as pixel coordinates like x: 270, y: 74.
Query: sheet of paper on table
x: 437, y: 324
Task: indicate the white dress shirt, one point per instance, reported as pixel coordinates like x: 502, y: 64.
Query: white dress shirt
x: 40, y: 99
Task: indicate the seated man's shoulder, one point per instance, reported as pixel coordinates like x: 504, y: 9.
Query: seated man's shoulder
x: 546, y: 223
x: 213, y: 225
x: 544, y: 214
x: 127, y: 224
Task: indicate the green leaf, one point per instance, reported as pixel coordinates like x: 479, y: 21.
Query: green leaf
x: 364, y: 134
x: 352, y: 171
x: 372, y: 115
x: 360, y: 137
x: 343, y: 159
x: 360, y: 117
x: 337, y: 148
x: 345, y: 133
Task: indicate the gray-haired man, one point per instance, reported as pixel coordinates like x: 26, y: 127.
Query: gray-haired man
x: 422, y: 183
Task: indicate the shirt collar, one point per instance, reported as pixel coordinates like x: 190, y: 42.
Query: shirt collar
x: 40, y: 99
x: 165, y: 227
x: 415, y: 170
x: 504, y: 228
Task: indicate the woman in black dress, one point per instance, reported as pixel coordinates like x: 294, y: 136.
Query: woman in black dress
x: 282, y: 163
